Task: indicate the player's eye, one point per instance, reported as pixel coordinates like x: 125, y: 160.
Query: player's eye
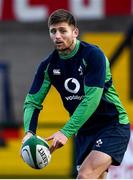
x: 63, y: 31
x: 53, y: 31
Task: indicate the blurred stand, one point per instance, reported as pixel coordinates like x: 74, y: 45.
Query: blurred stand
x: 7, y: 116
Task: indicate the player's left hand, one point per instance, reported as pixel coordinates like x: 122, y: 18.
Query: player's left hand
x: 58, y: 140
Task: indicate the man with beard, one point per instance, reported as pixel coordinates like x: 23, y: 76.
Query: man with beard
x: 81, y: 74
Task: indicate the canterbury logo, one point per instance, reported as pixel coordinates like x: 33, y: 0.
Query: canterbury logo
x: 73, y: 81
x: 56, y: 71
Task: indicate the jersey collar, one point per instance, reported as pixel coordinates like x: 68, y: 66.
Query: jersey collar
x: 74, y: 51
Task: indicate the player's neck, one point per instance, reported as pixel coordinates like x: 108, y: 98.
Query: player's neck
x: 69, y: 49
x: 73, y: 51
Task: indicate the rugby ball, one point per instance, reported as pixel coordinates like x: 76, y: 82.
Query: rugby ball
x: 35, y: 152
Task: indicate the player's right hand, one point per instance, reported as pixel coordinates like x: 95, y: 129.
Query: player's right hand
x: 26, y: 137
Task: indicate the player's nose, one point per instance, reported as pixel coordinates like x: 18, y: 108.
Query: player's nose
x: 57, y: 35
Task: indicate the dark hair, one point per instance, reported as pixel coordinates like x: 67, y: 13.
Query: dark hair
x: 61, y: 15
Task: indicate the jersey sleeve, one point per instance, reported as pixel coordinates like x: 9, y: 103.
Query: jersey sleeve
x: 93, y: 87
x: 33, y: 101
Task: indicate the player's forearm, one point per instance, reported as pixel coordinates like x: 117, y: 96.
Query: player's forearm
x: 83, y: 112
x: 33, y: 105
x: 31, y: 112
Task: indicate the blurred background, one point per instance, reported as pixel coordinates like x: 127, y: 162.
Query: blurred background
x: 24, y: 42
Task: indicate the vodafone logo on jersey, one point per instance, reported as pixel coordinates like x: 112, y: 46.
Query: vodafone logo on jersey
x: 72, y: 82
x: 72, y: 85
x: 39, y: 10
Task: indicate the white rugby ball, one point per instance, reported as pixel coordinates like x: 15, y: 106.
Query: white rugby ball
x: 35, y: 152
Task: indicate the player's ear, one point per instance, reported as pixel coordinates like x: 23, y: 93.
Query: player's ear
x: 76, y: 32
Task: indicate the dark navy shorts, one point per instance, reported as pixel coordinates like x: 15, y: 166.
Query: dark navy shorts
x: 112, y: 140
